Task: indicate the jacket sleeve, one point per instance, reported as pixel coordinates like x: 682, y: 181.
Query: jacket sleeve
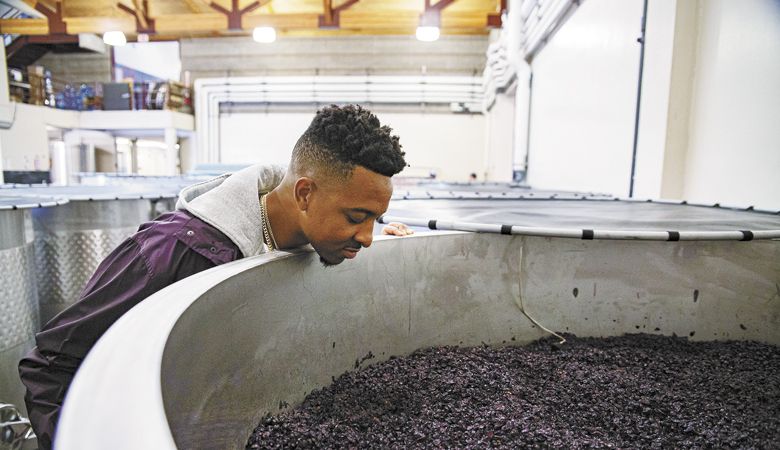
x: 121, y: 281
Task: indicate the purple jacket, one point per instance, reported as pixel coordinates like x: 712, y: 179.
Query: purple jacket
x: 164, y: 251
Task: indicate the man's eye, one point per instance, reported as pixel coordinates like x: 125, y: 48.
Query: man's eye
x: 355, y: 220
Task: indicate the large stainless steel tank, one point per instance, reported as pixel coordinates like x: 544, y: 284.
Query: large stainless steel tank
x: 197, y: 364
x: 19, y: 315
x: 167, y: 184
x: 71, y: 240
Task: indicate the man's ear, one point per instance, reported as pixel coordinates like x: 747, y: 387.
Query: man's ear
x: 303, y: 189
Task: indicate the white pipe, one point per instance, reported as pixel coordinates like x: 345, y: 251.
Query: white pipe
x: 211, y: 92
x: 643, y: 235
x: 547, y: 25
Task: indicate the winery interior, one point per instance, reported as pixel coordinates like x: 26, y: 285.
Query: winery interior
x: 275, y: 224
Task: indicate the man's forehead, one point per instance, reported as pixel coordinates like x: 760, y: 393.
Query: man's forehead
x: 364, y: 184
x: 363, y: 191
x: 364, y: 202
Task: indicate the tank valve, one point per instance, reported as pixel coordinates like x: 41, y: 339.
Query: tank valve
x: 15, y: 431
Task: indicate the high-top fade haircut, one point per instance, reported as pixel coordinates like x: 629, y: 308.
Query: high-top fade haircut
x: 342, y: 137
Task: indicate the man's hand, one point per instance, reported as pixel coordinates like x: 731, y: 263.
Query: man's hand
x: 397, y: 229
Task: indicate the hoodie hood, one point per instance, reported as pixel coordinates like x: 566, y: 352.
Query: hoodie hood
x: 231, y: 203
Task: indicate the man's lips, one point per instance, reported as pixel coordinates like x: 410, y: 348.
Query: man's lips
x: 350, y: 252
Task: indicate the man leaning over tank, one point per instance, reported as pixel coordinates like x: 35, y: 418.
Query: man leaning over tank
x: 337, y: 183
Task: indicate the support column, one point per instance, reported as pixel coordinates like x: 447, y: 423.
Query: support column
x: 4, y: 99
x: 171, y: 152
x: 670, y: 56
x: 134, y: 156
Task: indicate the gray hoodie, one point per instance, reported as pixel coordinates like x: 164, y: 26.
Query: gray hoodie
x: 231, y: 203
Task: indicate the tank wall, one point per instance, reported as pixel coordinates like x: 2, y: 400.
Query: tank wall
x: 71, y: 240
x: 704, y: 290
x: 263, y: 339
x: 19, y: 315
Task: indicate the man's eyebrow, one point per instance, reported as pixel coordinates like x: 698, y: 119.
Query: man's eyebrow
x: 363, y: 210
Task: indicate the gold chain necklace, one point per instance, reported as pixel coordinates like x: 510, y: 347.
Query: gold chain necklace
x: 268, y: 234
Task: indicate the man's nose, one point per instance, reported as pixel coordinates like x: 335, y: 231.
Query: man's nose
x: 365, y: 234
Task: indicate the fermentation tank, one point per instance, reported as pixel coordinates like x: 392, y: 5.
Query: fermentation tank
x: 19, y: 314
x: 71, y: 240
x: 200, y: 362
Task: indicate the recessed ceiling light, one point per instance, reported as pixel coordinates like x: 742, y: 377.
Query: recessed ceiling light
x: 116, y: 38
x: 264, y: 35
x: 427, y: 33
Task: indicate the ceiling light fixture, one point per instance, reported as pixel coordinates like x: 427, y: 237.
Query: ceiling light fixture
x: 428, y: 29
x: 427, y: 34
x: 264, y: 35
x: 115, y: 38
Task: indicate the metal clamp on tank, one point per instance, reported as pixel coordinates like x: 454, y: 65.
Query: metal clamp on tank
x: 15, y: 431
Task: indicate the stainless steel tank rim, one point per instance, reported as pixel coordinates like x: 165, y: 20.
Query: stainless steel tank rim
x: 43, y: 204
x: 410, y: 195
x: 585, y: 234
x: 89, y: 198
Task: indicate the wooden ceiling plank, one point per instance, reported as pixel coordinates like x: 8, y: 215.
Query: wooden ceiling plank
x: 100, y: 25
x: 29, y: 27
x: 282, y: 21
x: 183, y: 23
x: 197, y: 6
x: 352, y: 20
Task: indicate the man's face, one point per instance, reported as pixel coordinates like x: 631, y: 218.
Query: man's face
x: 339, y: 219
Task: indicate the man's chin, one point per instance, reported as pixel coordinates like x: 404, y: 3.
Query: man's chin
x: 330, y: 263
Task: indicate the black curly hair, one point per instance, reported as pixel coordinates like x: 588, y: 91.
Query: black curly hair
x: 342, y: 137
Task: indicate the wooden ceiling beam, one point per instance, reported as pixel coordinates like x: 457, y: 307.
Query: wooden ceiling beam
x: 351, y: 21
x: 234, y: 14
x: 495, y: 20
x: 440, y: 5
x: 54, y: 18
x: 449, y: 19
x: 140, y: 11
x: 330, y: 16
x: 431, y: 16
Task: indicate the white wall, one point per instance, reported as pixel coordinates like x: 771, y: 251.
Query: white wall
x: 522, y: 102
x: 160, y: 59
x: 500, y: 138
x: 25, y: 146
x: 584, y: 99
x: 453, y: 145
x: 78, y: 67
x: 333, y: 55
x: 734, y: 145
x: 710, y: 102
x: 663, y: 118
x: 268, y: 138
